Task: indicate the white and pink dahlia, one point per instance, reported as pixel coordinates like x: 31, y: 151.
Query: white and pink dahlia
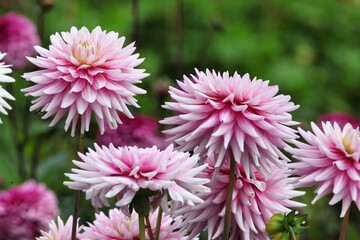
x: 254, y: 202
x: 121, y: 172
x: 330, y: 158
x: 60, y: 231
x: 120, y: 226
x: 83, y: 73
x: 4, y: 69
x: 222, y: 115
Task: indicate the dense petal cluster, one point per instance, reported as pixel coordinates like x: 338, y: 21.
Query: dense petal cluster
x: 218, y: 113
x: 60, y: 231
x: 83, y: 73
x: 120, y: 226
x: 340, y: 118
x: 4, y: 69
x: 25, y: 210
x: 141, y: 131
x: 253, y: 203
x: 330, y: 158
x: 18, y: 36
x: 121, y: 172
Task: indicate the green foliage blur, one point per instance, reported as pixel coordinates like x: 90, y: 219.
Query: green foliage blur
x: 310, y: 48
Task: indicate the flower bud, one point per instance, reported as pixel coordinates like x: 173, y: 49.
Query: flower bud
x: 282, y: 226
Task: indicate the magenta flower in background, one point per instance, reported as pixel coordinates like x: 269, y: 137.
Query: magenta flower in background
x: 4, y: 69
x: 109, y: 171
x: 60, y: 231
x: 18, y: 36
x: 253, y: 203
x: 25, y: 210
x: 219, y: 114
x: 330, y: 158
x: 141, y: 131
x: 120, y: 226
x: 341, y: 118
x: 83, y: 73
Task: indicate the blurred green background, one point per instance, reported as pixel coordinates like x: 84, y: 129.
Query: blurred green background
x: 310, y: 48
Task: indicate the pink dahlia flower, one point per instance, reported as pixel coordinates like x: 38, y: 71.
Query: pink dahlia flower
x: 60, y: 232
x: 121, y: 172
x: 330, y: 159
x: 253, y: 203
x: 141, y: 131
x: 340, y: 118
x: 25, y: 210
x: 219, y: 114
x: 18, y: 36
x: 120, y: 226
x: 83, y: 73
x: 4, y: 69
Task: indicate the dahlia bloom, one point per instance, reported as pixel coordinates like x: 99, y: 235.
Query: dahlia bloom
x: 121, y: 172
x: 25, y: 210
x: 254, y: 202
x: 4, y: 69
x: 330, y: 158
x: 83, y: 73
x: 223, y: 115
x: 120, y: 226
x: 18, y: 36
x: 141, y: 131
x: 340, y: 118
x: 60, y: 232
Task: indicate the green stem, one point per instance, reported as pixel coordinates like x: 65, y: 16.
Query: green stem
x: 148, y: 225
x: 293, y: 237
x: 158, y: 223
x: 77, y: 193
x: 141, y: 227
x: 229, y: 199
x: 344, y: 225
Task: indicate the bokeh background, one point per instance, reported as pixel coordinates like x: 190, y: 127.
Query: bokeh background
x: 310, y: 48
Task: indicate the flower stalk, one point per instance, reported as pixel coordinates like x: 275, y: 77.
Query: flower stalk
x: 148, y: 225
x: 344, y: 224
x: 141, y: 227
x: 77, y: 193
x: 158, y: 224
x: 229, y: 198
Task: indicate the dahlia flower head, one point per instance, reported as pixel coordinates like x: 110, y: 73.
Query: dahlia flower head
x: 122, y: 172
x: 60, y: 231
x: 254, y: 202
x: 22, y: 211
x: 141, y: 131
x: 340, y: 118
x: 330, y: 159
x: 18, y: 36
x: 223, y: 115
x: 83, y: 73
x: 4, y: 69
x: 120, y: 226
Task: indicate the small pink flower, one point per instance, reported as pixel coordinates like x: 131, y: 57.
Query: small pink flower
x: 59, y: 232
x: 119, y: 226
x: 141, y: 131
x: 83, y: 73
x: 18, y: 36
x: 253, y: 203
x: 25, y: 210
x: 108, y: 172
x: 340, y: 118
x: 219, y: 114
x: 330, y: 158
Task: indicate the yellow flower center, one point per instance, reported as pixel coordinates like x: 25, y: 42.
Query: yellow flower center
x: 83, y: 50
x: 349, y: 145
